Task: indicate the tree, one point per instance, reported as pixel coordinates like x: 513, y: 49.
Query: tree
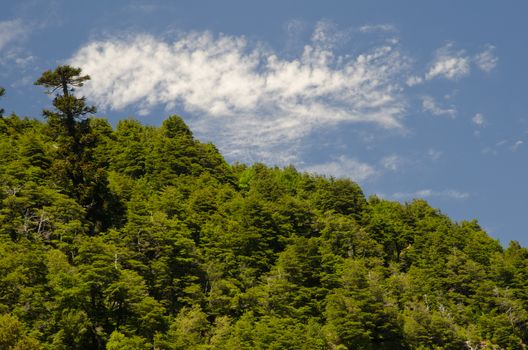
x: 119, y: 341
x: 67, y: 122
x: 2, y: 92
x: 12, y: 335
x: 388, y: 226
x: 78, y: 166
x: 205, y: 255
x: 342, y: 196
x: 69, y: 108
x: 430, y: 329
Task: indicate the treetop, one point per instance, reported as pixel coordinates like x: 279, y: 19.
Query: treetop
x: 62, y: 77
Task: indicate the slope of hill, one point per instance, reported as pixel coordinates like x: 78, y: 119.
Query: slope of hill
x: 147, y: 239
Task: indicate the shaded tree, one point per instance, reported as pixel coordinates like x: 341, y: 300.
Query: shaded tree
x: 2, y: 92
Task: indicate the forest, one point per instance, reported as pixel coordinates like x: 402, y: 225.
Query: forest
x: 143, y: 237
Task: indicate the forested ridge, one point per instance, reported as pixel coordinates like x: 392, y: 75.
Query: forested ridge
x: 142, y: 237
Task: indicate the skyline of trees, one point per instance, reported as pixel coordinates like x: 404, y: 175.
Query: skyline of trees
x: 142, y: 237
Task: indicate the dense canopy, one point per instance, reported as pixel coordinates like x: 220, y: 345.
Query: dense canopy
x: 141, y: 237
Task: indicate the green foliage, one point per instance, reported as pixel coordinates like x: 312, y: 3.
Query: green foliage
x: 69, y: 109
x: 77, y: 165
x: 119, y: 341
x: 359, y: 313
x: 143, y: 237
x: 188, y: 330
x: 13, y: 337
x: 339, y: 195
x: 429, y: 328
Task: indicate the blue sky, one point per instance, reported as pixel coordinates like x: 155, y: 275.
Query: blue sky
x: 408, y: 98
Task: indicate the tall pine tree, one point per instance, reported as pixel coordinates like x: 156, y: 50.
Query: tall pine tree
x: 78, y: 166
x: 2, y: 92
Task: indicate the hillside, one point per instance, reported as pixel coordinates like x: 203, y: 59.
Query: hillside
x: 142, y: 237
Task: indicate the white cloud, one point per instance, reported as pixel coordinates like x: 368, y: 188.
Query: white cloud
x: 392, y: 162
x: 294, y: 29
x: 294, y: 26
x: 13, y: 54
x: 428, y: 193
x: 377, y: 28
x: 327, y: 35
x: 486, y: 60
x: 344, y: 167
x: 516, y: 145
x: 449, y: 64
x: 429, y: 105
x: 512, y: 146
x: 452, y: 65
x: 479, y: 120
x: 254, y: 104
x: 11, y: 31
x: 489, y: 150
x: 433, y: 154
x: 414, y: 80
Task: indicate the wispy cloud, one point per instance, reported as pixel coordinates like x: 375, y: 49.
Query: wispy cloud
x: 502, y: 145
x: 487, y: 60
x: 479, y: 120
x: 294, y: 26
x: 393, y: 162
x: 253, y: 103
x: 429, y: 105
x: 516, y: 145
x: 414, y: 80
x: 428, y: 193
x: 345, y: 167
x: 12, y: 31
x: 377, y: 28
x: 449, y: 64
x: 293, y: 29
x: 327, y: 35
x: 14, y: 56
x: 434, y: 154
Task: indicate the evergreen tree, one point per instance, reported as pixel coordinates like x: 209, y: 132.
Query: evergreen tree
x: 2, y: 92
x: 76, y: 166
x: 67, y: 123
x: 205, y: 255
x: 69, y: 108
